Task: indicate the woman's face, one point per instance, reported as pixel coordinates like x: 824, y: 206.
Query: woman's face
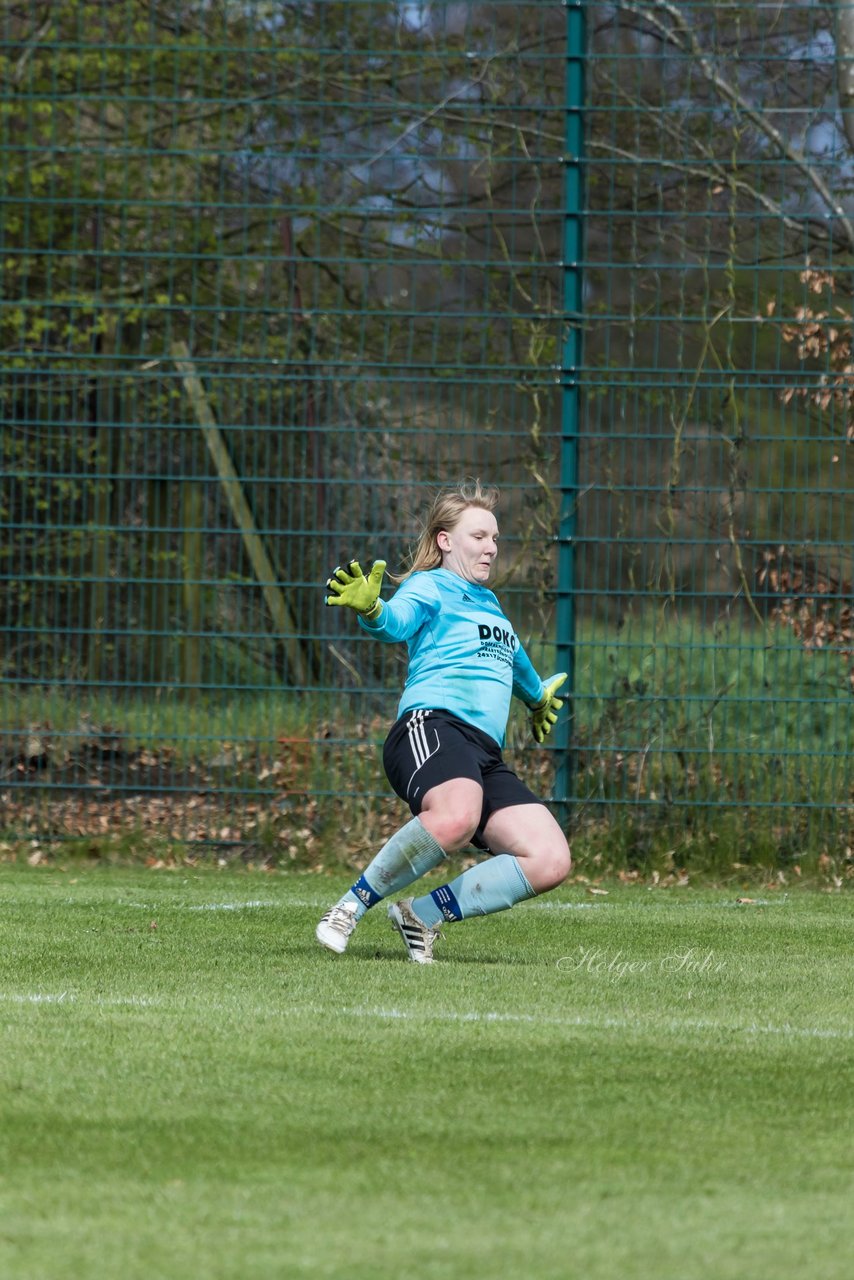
x: 470, y: 548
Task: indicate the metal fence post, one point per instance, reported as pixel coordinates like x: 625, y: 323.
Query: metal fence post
x: 571, y: 269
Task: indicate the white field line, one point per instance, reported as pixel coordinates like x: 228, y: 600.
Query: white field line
x: 70, y: 997
x: 251, y: 905
x: 548, y: 905
x: 168, y: 905
x: 285, y: 904
x: 545, y: 905
x: 255, y: 904
x: 674, y: 1026
x: 563, y: 906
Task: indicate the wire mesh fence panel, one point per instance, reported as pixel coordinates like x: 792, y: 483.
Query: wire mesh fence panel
x: 274, y: 272
x: 715, y: 573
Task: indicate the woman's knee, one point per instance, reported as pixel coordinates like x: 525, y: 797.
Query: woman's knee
x: 452, y: 811
x: 560, y: 863
x: 549, y: 866
x: 452, y: 829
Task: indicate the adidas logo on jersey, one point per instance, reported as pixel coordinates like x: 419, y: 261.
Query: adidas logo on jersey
x: 467, y: 598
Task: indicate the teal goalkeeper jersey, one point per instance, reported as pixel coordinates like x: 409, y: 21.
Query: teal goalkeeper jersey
x: 464, y: 656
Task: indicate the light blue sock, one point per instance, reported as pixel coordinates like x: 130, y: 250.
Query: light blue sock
x: 409, y: 853
x: 493, y: 885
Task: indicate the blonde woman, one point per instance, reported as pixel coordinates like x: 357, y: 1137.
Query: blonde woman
x: 443, y: 754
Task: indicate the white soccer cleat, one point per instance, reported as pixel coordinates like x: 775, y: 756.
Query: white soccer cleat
x: 418, y: 938
x: 335, y: 927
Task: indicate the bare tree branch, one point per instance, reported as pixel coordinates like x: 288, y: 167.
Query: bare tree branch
x: 678, y: 33
x: 27, y: 52
x: 718, y: 173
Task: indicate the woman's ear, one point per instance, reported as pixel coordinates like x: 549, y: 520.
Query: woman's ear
x: 443, y: 542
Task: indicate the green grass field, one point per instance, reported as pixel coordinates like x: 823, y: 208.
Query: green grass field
x: 647, y: 1084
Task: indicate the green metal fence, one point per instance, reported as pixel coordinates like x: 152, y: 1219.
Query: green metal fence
x: 273, y: 271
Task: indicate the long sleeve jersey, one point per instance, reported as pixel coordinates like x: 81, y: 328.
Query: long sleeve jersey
x: 464, y: 656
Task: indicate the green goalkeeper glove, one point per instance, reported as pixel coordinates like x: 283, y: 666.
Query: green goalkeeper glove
x: 544, y: 714
x: 350, y: 587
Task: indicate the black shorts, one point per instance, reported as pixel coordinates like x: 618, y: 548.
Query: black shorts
x: 425, y: 748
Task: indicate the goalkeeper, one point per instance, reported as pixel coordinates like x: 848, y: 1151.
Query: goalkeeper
x: 443, y: 754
